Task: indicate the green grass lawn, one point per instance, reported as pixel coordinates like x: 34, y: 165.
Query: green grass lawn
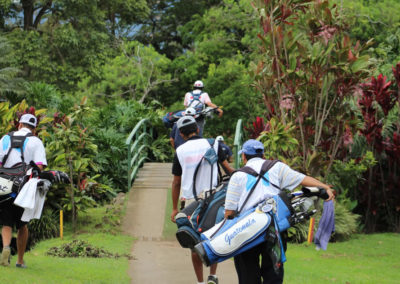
x: 95, y: 228
x: 364, y: 259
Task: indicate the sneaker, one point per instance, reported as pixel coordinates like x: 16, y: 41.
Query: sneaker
x: 5, y: 257
x: 20, y: 265
x: 212, y: 279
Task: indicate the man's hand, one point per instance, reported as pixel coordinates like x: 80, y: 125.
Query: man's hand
x: 55, y: 176
x: 330, y: 193
x: 229, y: 214
x: 173, y: 214
x: 220, y: 112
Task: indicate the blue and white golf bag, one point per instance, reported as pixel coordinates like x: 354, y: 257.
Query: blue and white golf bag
x: 200, y: 216
x: 234, y: 236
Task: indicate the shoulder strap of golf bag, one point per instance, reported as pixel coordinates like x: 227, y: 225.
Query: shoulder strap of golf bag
x: 196, y: 97
x: 267, y: 165
x: 211, y: 157
x: 199, y: 106
x: 16, y: 142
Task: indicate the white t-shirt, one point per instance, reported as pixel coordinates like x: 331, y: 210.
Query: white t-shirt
x: 189, y: 154
x: 240, y: 184
x: 33, y: 150
x: 204, y: 97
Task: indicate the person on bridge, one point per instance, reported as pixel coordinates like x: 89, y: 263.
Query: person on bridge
x: 256, y: 263
x: 175, y: 138
x: 227, y: 150
x: 186, y: 158
x: 198, y: 100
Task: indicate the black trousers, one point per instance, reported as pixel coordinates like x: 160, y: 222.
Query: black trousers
x: 251, y: 270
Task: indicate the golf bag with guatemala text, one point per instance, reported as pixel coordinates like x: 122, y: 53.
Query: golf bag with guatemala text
x: 263, y: 223
x: 250, y: 228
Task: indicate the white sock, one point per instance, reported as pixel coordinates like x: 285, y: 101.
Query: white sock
x: 201, y: 282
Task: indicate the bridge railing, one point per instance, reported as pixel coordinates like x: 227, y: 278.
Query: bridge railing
x: 237, y: 144
x: 138, y: 143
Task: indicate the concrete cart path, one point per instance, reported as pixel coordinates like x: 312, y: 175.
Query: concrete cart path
x: 156, y: 260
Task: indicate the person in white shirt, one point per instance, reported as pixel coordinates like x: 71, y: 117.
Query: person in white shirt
x: 10, y: 216
x: 186, y: 159
x: 248, y: 266
x: 198, y: 99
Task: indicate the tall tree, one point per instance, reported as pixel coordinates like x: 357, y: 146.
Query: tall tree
x: 161, y: 27
x: 10, y: 82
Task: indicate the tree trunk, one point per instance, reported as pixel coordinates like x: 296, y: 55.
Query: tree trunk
x: 28, y: 7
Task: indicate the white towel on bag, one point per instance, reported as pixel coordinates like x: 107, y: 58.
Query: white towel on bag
x: 26, y: 197
x: 31, y: 199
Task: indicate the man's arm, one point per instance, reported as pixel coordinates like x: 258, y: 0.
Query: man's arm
x: 227, y: 167
x: 310, y: 181
x: 172, y: 141
x: 220, y: 111
x: 176, y: 187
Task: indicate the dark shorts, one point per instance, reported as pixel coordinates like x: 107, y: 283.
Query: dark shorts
x: 10, y: 214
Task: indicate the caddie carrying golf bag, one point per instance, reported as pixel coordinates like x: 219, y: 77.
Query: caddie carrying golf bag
x: 257, y: 225
x: 203, y: 213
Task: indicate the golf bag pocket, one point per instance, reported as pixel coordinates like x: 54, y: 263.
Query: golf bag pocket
x: 12, y: 179
x: 6, y: 186
x: 198, y: 217
x: 209, y: 211
x: 186, y: 234
x: 233, y: 236
x: 284, y: 211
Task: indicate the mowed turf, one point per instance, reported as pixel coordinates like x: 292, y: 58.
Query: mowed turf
x: 364, y: 259
x: 99, y: 232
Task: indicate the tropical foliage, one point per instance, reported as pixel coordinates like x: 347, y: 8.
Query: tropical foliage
x: 307, y: 77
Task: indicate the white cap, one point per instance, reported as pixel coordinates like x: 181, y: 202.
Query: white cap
x: 29, y: 119
x: 185, y: 120
x: 190, y: 111
x: 198, y: 84
x: 219, y: 138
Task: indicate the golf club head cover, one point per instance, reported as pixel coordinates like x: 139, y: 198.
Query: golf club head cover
x: 55, y: 176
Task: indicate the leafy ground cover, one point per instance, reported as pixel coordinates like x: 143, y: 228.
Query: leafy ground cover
x: 98, y: 227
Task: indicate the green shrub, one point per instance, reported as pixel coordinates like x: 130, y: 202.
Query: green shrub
x: 346, y: 225
x: 299, y: 232
x: 46, y: 227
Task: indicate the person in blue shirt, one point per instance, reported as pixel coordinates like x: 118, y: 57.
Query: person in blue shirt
x: 175, y: 138
x: 227, y: 150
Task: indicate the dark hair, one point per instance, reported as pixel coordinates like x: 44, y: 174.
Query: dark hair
x: 188, y: 129
x: 258, y: 155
